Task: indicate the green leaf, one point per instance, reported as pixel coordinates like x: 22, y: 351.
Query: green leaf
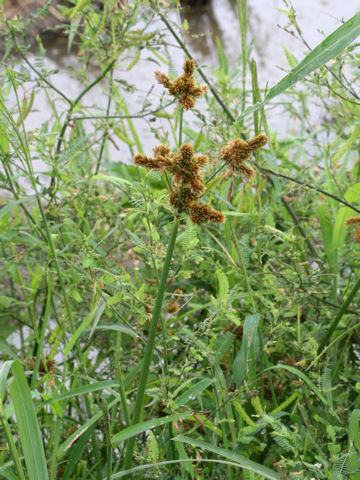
x: 325, y: 51
x: 94, y: 315
x: 223, y: 63
x: 223, y: 290
x: 28, y: 426
x: 347, y: 145
x: 292, y: 60
x: 110, y: 178
x: 11, y: 205
x: 134, y: 60
x: 134, y: 430
x: 235, y: 457
x: 3, y: 377
x: 244, y: 365
x: 193, y: 391
x: 327, y: 234
x: 92, y: 387
x: 64, y: 447
x: 354, y: 430
x: 303, y: 377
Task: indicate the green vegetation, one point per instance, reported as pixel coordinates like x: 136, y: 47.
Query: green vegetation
x: 148, y: 333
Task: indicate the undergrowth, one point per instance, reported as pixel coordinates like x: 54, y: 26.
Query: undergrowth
x: 150, y: 333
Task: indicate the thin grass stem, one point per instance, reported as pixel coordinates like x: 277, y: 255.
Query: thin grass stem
x: 139, y: 402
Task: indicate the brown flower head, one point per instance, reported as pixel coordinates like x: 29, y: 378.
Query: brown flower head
x: 352, y: 221
x: 187, y: 180
x: 237, y: 151
x: 203, y: 213
x: 173, y: 306
x: 163, y: 158
x: 183, y: 87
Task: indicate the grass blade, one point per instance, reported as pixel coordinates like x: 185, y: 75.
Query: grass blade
x: 28, y: 426
x: 242, y: 461
x: 325, y: 51
x: 143, y: 426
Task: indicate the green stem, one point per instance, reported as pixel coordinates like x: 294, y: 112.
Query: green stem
x: 181, y: 112
x: 338, y: 317
x: 43, y: 326
x: 243, y: 20
x: 150, y: 343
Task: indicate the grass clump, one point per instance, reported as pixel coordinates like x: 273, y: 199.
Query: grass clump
x: 187, y: 315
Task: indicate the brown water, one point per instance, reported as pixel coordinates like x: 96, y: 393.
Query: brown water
x: 218, y: 19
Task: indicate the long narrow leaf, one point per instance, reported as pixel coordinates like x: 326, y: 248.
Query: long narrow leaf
x: 143, y: 426
x: 242, y: 461
x: 92, y: 387
x: 325, y: 51
x: 28, y: 426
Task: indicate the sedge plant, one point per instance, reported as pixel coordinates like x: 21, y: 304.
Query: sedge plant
x: 187, y: 188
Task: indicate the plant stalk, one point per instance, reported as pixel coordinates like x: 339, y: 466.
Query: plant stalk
x: 150, y: 343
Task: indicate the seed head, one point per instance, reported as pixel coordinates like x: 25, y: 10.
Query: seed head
x: 203, y: 213
x: 187, y: 180
x: 237, y: 151
x: 144, y: 161
x: 352, y: 221
x: 183, y: 87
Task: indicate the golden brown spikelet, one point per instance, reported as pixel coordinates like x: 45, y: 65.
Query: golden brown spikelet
x: 187, y: 180
x: 188, y: 197
x: 173, y: 306
x: 145, y: 161
x: 258, y: 141
x: 189, y: 67
x: 203, y: 213
x: 200, y: 90
x: 245, y: 171
x: 183, y: 87
x: 202, y: 160
x: 163, y: 79
x: 187, y: 102
x: 186, y: 151
x: 161, y: 150
x: 197, y: 186
x: 352, y: 221
x: 237, y: 151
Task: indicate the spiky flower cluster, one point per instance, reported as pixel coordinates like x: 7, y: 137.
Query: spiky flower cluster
x: 237, y: 151
x: 183, y: 87
x: 187, y: 180
x: 351, y: 221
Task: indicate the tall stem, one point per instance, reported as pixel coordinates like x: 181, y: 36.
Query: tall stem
x: 150, y: 343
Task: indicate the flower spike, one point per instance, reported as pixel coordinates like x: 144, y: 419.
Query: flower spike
x: 183, y: 87
x: 187, y: 180
x: 237, y: 151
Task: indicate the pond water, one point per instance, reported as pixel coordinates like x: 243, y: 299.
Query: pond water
x: 218, y: 19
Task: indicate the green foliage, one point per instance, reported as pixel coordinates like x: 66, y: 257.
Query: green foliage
x: 252, y: 368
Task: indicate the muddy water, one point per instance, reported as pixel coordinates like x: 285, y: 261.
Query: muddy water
x: 218, y: 19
